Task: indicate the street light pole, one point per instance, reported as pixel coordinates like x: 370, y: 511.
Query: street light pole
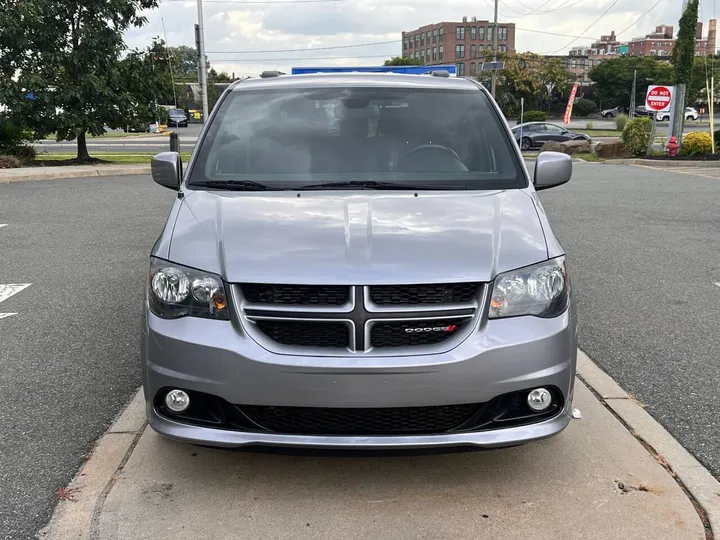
x: 494, y: 48
x: 203, y: 66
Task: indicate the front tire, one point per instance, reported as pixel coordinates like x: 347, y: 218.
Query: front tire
x: 525, y: 144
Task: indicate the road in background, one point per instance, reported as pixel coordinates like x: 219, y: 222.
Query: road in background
x: 69, y: 356
x: 642, y: 246
x: 142, y: 143
x: 188, y: 137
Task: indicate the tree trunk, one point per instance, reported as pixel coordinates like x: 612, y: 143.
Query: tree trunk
x: 82, y: 151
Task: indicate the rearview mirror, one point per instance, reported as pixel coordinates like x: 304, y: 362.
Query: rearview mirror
x: 552, y: 169
x: 166, y: 169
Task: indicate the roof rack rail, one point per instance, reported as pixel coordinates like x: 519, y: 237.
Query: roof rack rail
x: 268, y: 74
x: 438, y: 73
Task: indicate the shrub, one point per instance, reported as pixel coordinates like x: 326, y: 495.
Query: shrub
x: 621, y: 121
x: 589, y: 125
x: 11, y: 136
x: 534, y: 116
x: 636, y: 135
x: 584, y: 107
x: 25, y: 153
x: 697, y: 142
x: 9, y: 162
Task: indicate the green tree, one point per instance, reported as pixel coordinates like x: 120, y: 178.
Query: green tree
x: 70, y: 60
x: 185, y: 63
x: 221, y: 77
x: 703, y: 68
x: 529, y: 76
x: 403, y: 61
x: 683, y: 53
x: 614, y: 78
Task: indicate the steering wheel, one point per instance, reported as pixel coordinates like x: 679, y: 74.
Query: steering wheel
x: 431, y: 149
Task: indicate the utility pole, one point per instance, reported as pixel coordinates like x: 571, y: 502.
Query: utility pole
x: 169, y: 61
x: 494, y: 50
x: 202, y: 66
x: 633, y: 98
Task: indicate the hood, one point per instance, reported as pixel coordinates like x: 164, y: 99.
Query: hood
x: 350, y: 238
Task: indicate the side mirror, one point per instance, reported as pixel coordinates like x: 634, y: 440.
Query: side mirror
x: 552, y: 169
x: 166, y: 169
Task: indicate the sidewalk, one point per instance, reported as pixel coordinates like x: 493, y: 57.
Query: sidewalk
x: 78, y: 171
x: 594, y: 481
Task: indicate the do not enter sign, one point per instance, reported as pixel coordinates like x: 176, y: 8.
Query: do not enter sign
x: 659, y: 98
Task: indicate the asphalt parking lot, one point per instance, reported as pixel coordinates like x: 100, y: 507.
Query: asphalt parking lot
x: 642, y: 247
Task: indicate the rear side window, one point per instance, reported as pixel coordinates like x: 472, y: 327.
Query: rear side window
x: 301, y: 136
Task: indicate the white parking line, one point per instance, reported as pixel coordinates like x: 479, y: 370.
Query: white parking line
x: 718, y: 284
x: 6, y: 291
x: 3, y: 225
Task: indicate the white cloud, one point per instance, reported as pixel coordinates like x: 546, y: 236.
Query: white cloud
x: 239, y: 35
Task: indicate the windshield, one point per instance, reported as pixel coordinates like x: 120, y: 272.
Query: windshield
x: 390, y: 137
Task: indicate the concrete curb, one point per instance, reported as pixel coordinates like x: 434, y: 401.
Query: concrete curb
x: 689, y: 472
x: 78, y: 517
x: 667, y: 164
x: 89, y: 171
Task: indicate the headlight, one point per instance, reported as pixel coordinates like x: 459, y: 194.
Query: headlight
x: 542, y: 290
x: 174, y: 291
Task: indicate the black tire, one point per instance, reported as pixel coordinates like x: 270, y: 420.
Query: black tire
x: 608, y: 115
x: 525, y: 143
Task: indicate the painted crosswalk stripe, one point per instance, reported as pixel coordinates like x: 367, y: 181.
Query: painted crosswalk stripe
x: 8, y: 290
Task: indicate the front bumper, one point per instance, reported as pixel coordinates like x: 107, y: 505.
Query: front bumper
x: 217, y: 358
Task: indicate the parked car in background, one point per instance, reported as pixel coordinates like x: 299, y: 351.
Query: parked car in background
x: 642, y: 110
x: 534, y: 134
x: 177, y: 118
x: 612, y: 113
x: 690, y: 114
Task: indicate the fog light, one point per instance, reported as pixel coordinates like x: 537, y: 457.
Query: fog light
x: 539, y: 399
x: 177, y: 401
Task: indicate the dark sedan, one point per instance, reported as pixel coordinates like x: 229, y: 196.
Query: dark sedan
x: 534, y: 134
x: 177, y: 117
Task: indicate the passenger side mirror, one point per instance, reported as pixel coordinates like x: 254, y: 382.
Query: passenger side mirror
x: 166, y: 169
x: 552, y: 169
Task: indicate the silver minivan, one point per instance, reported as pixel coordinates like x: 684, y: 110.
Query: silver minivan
x: 358, y: 261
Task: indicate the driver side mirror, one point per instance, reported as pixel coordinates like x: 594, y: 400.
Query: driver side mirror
x: 166, y: 169
x: 552, y: 169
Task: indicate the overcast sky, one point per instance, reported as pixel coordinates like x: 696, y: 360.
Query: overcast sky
x: 240, y: 35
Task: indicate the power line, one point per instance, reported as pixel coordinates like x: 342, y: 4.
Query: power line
x: 357, y: 45
x: 305, y: 59
x: 265, y: 2
x: 554, y: 34
x: 639, y: 18
x: 535, y: 11
x: 392, y: 41
x: 588, y: 28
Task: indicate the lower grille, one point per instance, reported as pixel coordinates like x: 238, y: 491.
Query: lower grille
x: 306, y: 333
x: 387, y: 421
x: 412, y: 333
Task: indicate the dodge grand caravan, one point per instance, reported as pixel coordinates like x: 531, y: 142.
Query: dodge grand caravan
x: 358, y: 261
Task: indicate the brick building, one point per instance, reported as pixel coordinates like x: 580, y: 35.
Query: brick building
x: 660, y: 43
x: 466, y: 43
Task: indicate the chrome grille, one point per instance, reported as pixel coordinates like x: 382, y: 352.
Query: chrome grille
x: 302, y: 319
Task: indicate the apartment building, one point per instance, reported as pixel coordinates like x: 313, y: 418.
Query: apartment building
x: 467, y: 43
x: 660, y: 43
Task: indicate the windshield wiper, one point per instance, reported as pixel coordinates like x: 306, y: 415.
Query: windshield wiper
x: 238, y: 185
x: 372, y: 184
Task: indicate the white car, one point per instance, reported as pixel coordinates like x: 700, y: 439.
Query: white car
x: 690, y: 114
